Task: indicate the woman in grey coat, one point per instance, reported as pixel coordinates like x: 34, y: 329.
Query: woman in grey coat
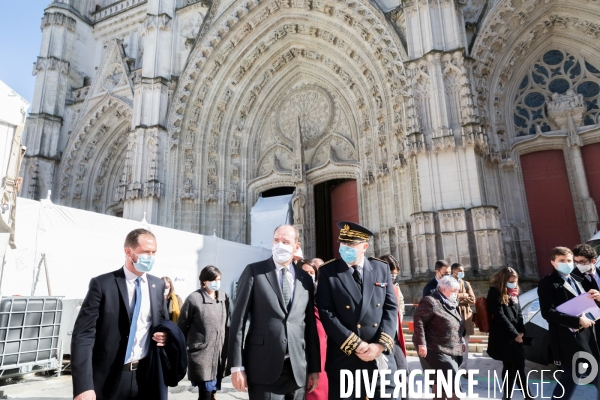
x: 203, y: 321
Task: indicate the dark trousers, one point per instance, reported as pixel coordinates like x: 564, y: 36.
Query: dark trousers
x: 285, y: 388
x: 128, y: 387
x: 514, y: 373
x: 133, y: 384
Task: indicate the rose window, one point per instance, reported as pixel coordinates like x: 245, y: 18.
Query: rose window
x: 308, y: 110
x: 556, y: 71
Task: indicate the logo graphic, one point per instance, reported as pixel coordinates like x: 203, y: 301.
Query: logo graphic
x: 579, y: 367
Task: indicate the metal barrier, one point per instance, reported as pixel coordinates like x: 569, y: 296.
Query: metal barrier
x: 29, y: 335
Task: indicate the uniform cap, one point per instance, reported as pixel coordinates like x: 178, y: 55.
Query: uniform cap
x: 353, y: 232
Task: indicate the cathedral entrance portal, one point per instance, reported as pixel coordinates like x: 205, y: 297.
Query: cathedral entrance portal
x: 335, y: 200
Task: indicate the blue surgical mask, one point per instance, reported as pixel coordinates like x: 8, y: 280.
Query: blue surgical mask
x: 214, y: 285
x: 460, y: 275
x: 511, y: 285
x: 565, y: 268
x: 348, y: 254
x: 144, y: 263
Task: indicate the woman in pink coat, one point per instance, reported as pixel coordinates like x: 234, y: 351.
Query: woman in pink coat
x: 322, y: 391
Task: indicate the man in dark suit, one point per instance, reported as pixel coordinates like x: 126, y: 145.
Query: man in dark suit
x: 442, y: 268
x: 281, y: 345
x: 112, y: 332
x: 359, y: 312
x: 585, y: 256
x: 553, y: 290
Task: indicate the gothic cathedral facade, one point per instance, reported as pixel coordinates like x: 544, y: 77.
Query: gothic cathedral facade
x: 469, y: 129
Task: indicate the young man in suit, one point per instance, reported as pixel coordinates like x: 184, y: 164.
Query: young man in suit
x: 279, y: 358
x: 359, y: 311
x: 585, y: 256
x: 553, y: 290
x: 114, y: 327
x: 442, y: 268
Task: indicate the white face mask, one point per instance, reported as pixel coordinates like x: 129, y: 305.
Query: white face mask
x: 584, y: 268
x: 453, y: 297
x: 282, y: 253
x: 167, y: 292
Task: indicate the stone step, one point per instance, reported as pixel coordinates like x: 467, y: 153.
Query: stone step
x: 473, y: 348
x: 472, y: 339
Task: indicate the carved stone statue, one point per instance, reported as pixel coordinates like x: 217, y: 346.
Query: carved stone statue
x: 298, y: 203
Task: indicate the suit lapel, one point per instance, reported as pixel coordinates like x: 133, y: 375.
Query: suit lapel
x: 368, y: 287
x: 594, y: 282
x: 560, y: 281
x: 345, y: 276
x: 577, y: 281
x: 122, y: 285
x: 511, y: 309
x: 154, y: 306
x: 298, y: 289
x: 271, y: 276
x: 569, y: 288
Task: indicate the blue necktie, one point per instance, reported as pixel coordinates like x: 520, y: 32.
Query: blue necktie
x: 136, y: 313
x: 573, y: 285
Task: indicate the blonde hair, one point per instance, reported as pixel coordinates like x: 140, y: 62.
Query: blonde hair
x: 499, y: 280
x: 168, y: 280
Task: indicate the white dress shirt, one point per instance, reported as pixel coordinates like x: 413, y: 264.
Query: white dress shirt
x: 359, y: 267
x: 144, y: 322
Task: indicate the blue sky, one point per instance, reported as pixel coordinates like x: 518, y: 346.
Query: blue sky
x: 20, y: 39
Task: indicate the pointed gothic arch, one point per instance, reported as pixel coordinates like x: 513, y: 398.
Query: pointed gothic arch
x: 263, y: 53
x: 87, y: 177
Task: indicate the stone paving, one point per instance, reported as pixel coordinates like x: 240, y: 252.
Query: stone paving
x: 59, y: 388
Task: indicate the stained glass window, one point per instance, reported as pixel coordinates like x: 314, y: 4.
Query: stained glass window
x: 557, y: 71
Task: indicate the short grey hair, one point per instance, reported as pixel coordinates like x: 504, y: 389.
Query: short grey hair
x: 296, y: 231
x: 448, y: 282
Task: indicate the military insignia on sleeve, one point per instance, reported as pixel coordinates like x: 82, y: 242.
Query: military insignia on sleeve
x: 350, y: 344
x: 387, y: 341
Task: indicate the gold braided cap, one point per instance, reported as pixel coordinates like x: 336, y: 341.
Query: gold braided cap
x: 350, y: 235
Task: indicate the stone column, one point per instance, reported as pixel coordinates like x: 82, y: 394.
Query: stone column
x: 566, y: 113
x: 54, y: 78
x: 403, y: 249
x: 423, y: 238
x: 146, y: 156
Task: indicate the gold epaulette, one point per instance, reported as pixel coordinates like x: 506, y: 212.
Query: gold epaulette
x: 376, y: 259
x: 387, y: 341
x: 350, y: 344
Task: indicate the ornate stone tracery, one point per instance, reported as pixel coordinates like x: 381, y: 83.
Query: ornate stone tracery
x: 191, y: 112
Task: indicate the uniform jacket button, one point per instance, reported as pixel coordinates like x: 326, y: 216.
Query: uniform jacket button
x: 378, y: 304
x: 358, y: 326
x: 348, y: 307
x: 374, y: 324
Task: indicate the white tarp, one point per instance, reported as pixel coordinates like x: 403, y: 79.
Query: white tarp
x: 266, y: 215
x: 80, y: 245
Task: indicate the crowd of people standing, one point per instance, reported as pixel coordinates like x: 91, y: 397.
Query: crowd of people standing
x: 297, y: 322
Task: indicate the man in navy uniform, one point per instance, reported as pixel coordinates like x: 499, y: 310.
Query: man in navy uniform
x: 359, y: 311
